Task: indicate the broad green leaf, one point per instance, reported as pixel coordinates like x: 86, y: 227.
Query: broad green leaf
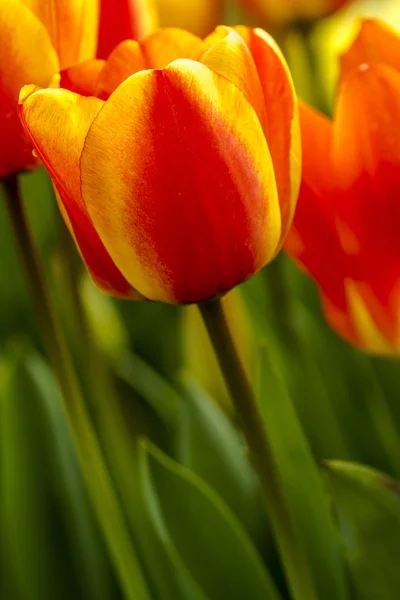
x: 194, y: 521
x: 367, y: 504
x: 355, y: 393
x: 210, y: 446
x: 53, y: 549
x: 302, y: 486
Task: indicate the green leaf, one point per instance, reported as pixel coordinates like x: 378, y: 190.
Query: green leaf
x: 195, y: 523
x: 302, y: 485
x: 53, y: 549
x: 210, y: 446
x: 157, y: 391
x: 367, y: 504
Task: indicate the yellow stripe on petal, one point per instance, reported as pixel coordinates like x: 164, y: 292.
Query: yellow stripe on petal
x: 57, y: 121
x: 370, y: 336
x: 178, y: 180
x: 73, y: 27
x: 27, y: 56
x: 229, y: 56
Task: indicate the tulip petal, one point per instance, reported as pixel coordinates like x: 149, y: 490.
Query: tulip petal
x: 125, y: 60
x: 375, y: 42
x: 366, y: 155
x: 229, y: 56
x: 313, y: 239
x: 57, y: 122
x: 27, y: 56
x: 179, y: 183
x: 72, y: 25
x: 155, y: 51
x: 370, y: 334
x: 82, y: 78
x: 166, y: 45
x: 282, y: 122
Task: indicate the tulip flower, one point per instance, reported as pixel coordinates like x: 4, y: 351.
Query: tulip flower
x: 124, y: 19
x: 37, y: 38
x: 278, y: 13
x: 346, y: 229
x: 197, y: 16
x: 180, y: 180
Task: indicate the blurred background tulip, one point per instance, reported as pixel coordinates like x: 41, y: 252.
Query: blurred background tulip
x: 279, y: 14
x: 123, y: 20
x: 243, y: 208
x: 38, y: 38
x: 199, y: 16
x: 345, y: 231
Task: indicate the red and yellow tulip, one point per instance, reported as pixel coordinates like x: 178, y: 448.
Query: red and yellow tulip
x: 278, y: 13
x: 37, y: 38
x: 180, y: 179
x: 346, y: 229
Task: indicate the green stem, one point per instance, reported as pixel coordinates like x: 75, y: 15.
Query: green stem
x: 260, y: 449
x: 97, y: 478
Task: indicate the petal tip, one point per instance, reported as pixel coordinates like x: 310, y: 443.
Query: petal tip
x: 27, y: 91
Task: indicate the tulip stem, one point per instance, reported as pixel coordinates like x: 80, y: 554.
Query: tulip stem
x: 261, y: 452
x: 100, y: 487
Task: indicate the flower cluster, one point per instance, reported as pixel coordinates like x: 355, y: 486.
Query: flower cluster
x: 177, y: 159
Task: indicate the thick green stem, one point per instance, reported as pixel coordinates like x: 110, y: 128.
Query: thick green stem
x: 261, y: 452
x: 97, y: 478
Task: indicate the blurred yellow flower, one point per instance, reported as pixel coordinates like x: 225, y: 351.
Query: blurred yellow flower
x: 198, y: 16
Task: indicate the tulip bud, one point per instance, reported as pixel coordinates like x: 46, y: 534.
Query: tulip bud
x: 345, y: 233
x: 180, y: 180
x: 37, y: 38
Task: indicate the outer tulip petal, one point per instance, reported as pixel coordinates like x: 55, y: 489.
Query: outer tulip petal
x: 82, y: 78
x: 313, y: 239
x: 72, y: 25
x: 26, y: 56
x: 367, y: 159
x: 178, y: 181
x: 122, y: 20
x: 375, y: 42
x: 229, y: 56
x: 156, y: 51
x: 57, y: 122
x: 282, y: 122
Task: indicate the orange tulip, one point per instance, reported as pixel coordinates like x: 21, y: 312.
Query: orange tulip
x: 122, y: 20
x: 37, y: 38
x: 183, y: 182
x: 346, y: 229
x: 278, y: 13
